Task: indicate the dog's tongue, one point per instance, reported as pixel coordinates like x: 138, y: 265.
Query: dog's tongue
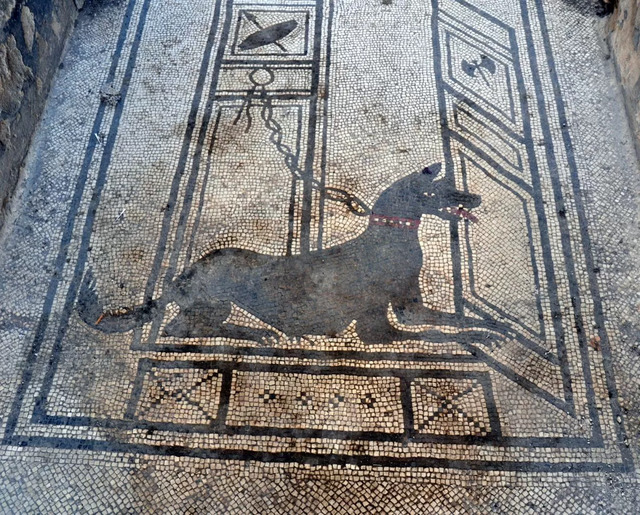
x: 465, y: 214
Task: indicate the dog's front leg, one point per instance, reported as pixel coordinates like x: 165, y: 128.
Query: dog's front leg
x: 417, y: 319
x: 416, y: 313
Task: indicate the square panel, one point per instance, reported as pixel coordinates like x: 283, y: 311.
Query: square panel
x: 273, y: 32
x: 187, y: 396
x: 450, y: 407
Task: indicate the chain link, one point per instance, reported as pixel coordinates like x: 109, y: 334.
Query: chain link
x: 353, y: 203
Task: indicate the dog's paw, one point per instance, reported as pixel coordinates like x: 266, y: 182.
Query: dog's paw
x: 491, y: 341
x: 269, y: 341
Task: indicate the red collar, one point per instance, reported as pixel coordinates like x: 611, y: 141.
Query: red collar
x: 394, y: 221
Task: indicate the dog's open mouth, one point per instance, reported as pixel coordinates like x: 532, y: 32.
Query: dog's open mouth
x: 462, y: 213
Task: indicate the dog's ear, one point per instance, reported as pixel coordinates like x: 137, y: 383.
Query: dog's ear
x: 433, y: 170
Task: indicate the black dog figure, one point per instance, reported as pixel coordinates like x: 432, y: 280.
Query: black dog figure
x: 319, y: 293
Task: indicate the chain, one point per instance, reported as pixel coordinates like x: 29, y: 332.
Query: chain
x: 276, y: 137
x: 353, y: 203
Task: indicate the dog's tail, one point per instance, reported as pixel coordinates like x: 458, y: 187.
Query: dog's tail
x: 92, y: 313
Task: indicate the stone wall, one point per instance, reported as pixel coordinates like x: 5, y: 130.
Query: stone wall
x: 623, y: 36
x: 32, y: 38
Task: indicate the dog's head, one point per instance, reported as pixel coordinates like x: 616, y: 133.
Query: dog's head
x: 422, y: 193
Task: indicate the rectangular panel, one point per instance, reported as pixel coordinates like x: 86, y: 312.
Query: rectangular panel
x: 305, y: 401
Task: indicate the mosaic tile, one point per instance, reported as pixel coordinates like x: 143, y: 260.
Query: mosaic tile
x: 299, y: 256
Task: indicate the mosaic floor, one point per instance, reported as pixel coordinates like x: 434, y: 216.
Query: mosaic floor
x: 325, y: 256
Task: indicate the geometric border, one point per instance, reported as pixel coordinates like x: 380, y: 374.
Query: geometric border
x: 448, y: 135
x: 226, y: 369
x: 11, y: 438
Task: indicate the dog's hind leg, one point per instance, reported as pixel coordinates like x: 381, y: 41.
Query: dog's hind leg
x: 208, y: 321
x: 375, y: 328
x: 196, y: 320
x: 240, y: 332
